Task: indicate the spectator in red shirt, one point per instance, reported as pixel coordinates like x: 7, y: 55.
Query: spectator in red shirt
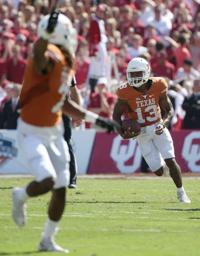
x: 137, y: 24
x: 82, y: 64
x: 96, y: 33
x: 97, y: 46
x: 101, y: 101
x: 121, y: 3
x: 195, y: 49
x: 125, y: 19
x: 29, y: 13
x: 182, y: 17
x: 111, y: 30
x: 15, y: 66
x: 150, y: 33
x: 162, y: 67
x: 122, y: 62
x: 20, y: 26
x: 6, y: 24
x: 3, y: 68
x: 182, y: 52
x: 4, y: 13
x: 22, y: 42
x: 7, y: 43
x: 82, y: 24
x: 32, y: 28
x: 151, y: 46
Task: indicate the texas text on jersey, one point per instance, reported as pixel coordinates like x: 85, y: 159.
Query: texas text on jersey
x: 145, y: 107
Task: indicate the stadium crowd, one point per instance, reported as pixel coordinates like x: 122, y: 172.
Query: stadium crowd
x: 109, y: 34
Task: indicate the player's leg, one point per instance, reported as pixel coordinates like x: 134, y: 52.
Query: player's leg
x: 165, y: 145
x: 160, y: 171
x: 41, y: 168
x: 57, y: 204
x: 151, y: 154
x: 58, y: 198
x: 175, y: 173
x: 144, y: 166
x: 72, y: 167
x: 72, y: 164
x: 36, y: 188
x: 150, y: 151
x: 55, y: 212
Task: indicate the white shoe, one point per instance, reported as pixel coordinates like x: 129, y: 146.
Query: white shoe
x: 183, y: 198
x: 19, y: 208
x: 72, y: 185
x: 48, y: 245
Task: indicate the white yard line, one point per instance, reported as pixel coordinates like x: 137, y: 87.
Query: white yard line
x: 93, y: 215
x: 107, y: 230
x: 114, y: 176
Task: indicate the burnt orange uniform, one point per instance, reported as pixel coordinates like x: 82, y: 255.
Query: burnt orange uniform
x: 145, y: 107
x: 42, y: 96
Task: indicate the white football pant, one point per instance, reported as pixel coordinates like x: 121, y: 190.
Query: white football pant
x: 45, y: 152
x: 155, y: 148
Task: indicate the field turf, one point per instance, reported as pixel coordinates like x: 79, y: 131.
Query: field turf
x: 110, y: 217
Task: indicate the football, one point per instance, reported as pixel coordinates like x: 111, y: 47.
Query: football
x: 131, y: 125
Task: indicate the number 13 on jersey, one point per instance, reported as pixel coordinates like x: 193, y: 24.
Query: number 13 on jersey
x: 148, y: 114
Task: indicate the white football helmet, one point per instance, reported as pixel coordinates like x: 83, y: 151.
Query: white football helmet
x: 138, y: 65
x: 64, y: 33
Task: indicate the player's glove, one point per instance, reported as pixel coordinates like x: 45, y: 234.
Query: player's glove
x: 159, y: 128
x: 108, y: 124
x: 127, y: 134
x: 53, y: 19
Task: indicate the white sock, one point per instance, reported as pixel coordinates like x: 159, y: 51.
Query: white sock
x: 23, y: 194
x: 50, y: 229
x: 181, y: 189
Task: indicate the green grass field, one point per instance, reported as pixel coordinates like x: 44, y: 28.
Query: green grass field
x: 110, y: 217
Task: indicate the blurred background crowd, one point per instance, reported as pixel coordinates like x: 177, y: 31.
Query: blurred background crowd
x: 109, y: 34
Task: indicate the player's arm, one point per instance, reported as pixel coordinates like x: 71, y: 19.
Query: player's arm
x: 41, y: 61
x: 72, y: 109
x: 74, y: 93
x: 76, y: 97
x: 166, y: 110
x: 121, y: 107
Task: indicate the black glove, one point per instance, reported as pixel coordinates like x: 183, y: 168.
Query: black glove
x: 106, y: 123
x: 73, y: 82
x: 53, y: 19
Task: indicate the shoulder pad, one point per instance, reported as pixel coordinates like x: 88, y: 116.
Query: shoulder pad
x: 122, y: 85
x: 157, y: 79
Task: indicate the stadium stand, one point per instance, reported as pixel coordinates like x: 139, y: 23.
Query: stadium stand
x: 166, y: 32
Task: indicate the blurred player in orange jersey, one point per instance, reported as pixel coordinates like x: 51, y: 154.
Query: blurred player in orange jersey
x: 47, y: 79
x: 143, y: 99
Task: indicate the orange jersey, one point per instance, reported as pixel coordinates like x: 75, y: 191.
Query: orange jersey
x: 42, y: 96
x: 145, y: 107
